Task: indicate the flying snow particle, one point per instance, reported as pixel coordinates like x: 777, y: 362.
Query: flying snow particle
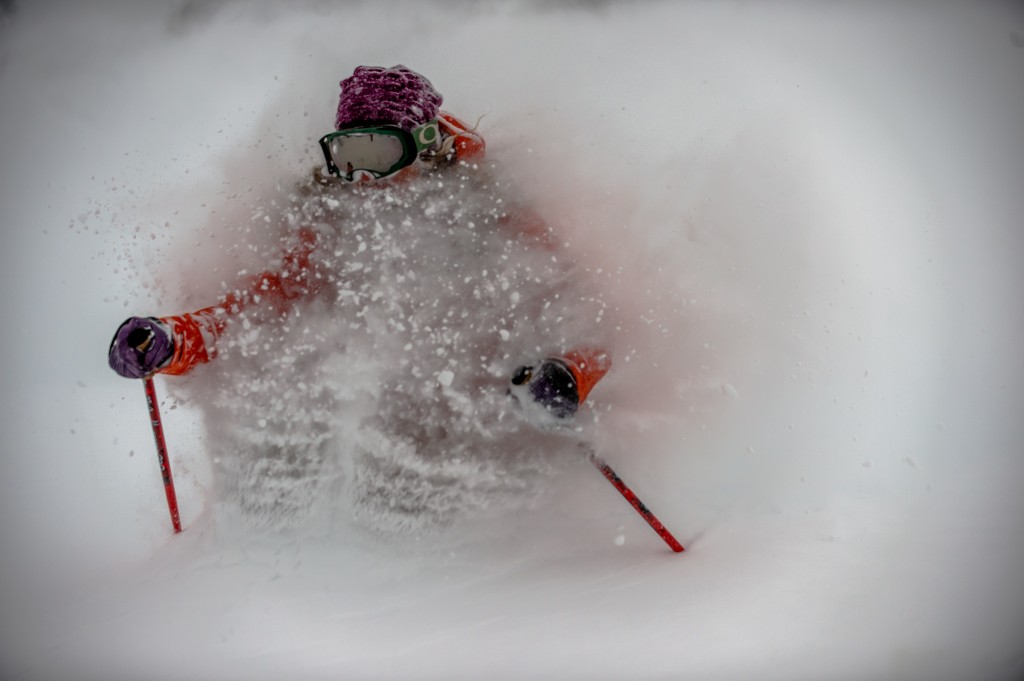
x: 445, y: 378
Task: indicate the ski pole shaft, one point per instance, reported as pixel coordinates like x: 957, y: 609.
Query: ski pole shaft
x: 161, y: 452
x: 640, y: 507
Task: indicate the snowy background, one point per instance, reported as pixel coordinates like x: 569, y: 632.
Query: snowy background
x: 817, y: 207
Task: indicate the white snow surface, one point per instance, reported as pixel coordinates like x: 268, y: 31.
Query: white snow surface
x: 797, y: 227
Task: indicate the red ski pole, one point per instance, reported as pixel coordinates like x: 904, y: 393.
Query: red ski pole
x: 640, y: 507
x: 161, y: 452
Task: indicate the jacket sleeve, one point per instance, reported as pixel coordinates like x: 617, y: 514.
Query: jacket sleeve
x: 587, y: 366
x: 524, y: 222
x: 195, y: 334
x: 469, y: 144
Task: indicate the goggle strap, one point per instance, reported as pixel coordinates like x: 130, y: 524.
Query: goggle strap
x: 425, y: 136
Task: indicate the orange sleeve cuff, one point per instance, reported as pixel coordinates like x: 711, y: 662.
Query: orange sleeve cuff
x: 588, y: 366
x: 195, y: 335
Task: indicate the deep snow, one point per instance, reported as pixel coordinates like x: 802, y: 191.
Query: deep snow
x: 808, y: 217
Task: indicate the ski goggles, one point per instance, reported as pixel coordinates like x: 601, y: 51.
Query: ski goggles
x: 376, y: 151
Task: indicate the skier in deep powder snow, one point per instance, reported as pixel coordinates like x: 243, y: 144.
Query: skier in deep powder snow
x: 391, y: 144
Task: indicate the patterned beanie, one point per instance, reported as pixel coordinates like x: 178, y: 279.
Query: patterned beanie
x: 374, y: 95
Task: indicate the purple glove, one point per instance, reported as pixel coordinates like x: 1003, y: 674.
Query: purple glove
x: 141, y: 346
x: 550, y: 386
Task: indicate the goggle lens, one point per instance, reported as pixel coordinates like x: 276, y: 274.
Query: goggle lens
x: 375, y: 152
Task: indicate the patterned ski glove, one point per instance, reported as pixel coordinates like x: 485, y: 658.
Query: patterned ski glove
x: 141, y: 346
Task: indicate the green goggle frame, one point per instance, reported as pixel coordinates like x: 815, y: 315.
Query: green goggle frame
x: 376, y: 151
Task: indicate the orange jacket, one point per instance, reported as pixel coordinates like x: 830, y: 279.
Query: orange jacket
x: 195, y: 333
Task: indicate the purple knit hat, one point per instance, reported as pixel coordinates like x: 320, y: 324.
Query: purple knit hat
x: 374, y: 95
